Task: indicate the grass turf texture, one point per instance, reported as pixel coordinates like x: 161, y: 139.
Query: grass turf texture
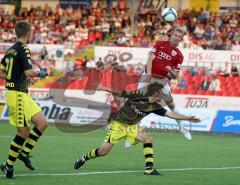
x: 56, y: 152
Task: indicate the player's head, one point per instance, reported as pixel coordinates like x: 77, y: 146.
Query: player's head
x: 154, y: 92
x: 23, y: 30
x: 176, y: 36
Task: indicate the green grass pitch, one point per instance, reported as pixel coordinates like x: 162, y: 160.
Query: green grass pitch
x: 199, y: 162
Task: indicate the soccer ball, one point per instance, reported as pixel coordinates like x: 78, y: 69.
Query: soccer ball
x: 169, y: 15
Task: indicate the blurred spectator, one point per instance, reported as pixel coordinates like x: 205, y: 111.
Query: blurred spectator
x: 193, y: 71
x: 71, y: 26
x: 43, y: 53
x: 91, y: 64
x: 224, y: 69
x: 183, y: 83
x: 68, y: 68
x: 236, y: 46
x: 121, y: 40
x: 51, y: 65
x: 215, y: 84
x: 234, y: 70
x: 205, y: 83
x: 78, y: 73
x: 100, y: 64
x: 84, y: 65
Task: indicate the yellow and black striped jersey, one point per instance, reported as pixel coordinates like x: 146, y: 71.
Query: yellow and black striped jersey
x: 137, y: 107
x: 16, y: 60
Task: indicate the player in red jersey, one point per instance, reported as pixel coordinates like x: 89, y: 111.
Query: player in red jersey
x: 164, y: 63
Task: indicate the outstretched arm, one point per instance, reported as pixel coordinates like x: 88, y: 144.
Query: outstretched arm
x: 177, y: 116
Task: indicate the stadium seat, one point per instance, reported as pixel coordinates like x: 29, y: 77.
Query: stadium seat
x: 201, y: 92
x: 191, y: 91
x: 209, y: 92
x: 232, y: 88
x: 218, y: 93
x: 183, y: 91
x: 98, y: 35
x: 226, y: 93
x: 235, y: 93
x: 92, y: 37
x: 197, y: 78
x: 236, y: 79
x: 106, y: 81
x: 221, y: 78
x: 175, y: 91
x: 229, y: 79
x: 202, y: 72
x: 188, y: 79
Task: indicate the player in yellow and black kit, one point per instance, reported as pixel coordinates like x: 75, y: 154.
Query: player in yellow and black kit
x: 16, y: 67
x: 124, y: 124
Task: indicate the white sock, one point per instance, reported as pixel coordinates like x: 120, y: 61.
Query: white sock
x: 178, y: 121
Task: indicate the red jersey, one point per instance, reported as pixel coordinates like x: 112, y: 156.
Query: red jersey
x: 166, y: 55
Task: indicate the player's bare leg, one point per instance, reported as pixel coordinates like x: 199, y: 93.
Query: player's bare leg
x: 99, y: 152
x: 184, y: 132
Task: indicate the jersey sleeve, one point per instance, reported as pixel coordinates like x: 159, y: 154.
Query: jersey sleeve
x: 131, y: 94
x: 161, y: 111
x: 3, y: 64
x: 179, y: 62
x: 25, y: 58
x: 155, y: 48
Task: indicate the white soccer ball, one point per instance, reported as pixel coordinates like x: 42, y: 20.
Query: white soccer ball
x: 169, y: 15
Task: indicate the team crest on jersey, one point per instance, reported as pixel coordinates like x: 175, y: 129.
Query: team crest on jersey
x: 161, y: 55
x: 174, y: 53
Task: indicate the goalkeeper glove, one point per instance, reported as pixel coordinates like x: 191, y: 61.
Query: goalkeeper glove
x: 42, y: 73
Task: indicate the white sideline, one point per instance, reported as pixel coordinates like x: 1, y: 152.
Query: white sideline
x: 120, y: 172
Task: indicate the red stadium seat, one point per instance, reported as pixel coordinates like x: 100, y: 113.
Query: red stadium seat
x: 201, y: 92
x: 202, y: 72
x: 221, y: 78
x: 236, y: 79
x: 183, y: 91
x: 175, y: 91
x: 197, y: 78
x: 229, y: 79
x: 218, y: 93
x: 191, y: 91
x: 235, y: 93
x: 98, y: 35
x: 92, y: 37
x: 209, y: 92
x: 226, y: 93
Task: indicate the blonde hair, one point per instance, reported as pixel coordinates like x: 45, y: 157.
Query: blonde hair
x: 179, y: 29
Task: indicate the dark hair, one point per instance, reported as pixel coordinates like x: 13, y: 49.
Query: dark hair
x: 22, y: 28
x: 154, y: 87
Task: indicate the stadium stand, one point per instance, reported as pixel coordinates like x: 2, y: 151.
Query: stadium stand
x: 89, y: 24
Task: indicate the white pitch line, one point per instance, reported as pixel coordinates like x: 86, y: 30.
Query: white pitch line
x: 120, y: 172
